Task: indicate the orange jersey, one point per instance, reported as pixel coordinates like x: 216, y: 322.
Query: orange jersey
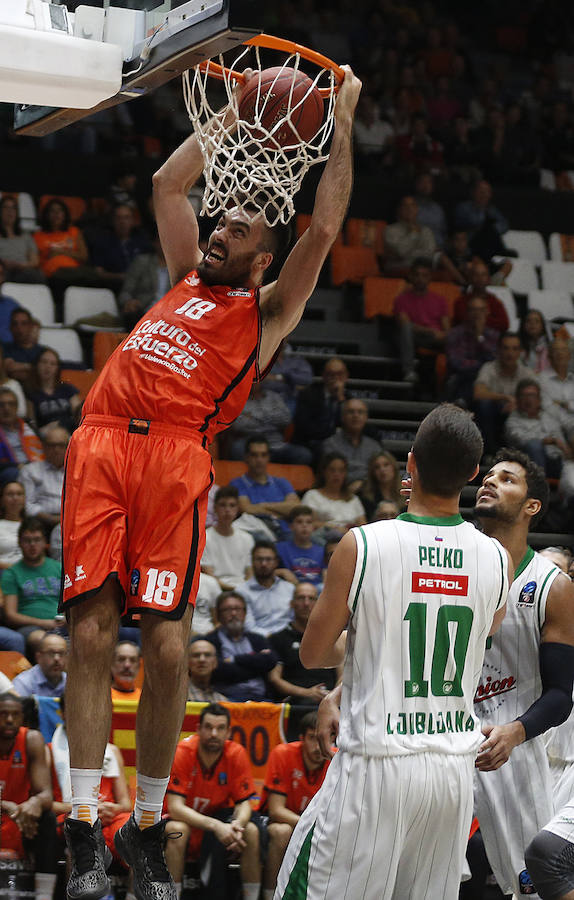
x: 189, y: 361
x: 288, y: 775
x: 15, y: 786
x: 14, y: 777
x: 207, y: 790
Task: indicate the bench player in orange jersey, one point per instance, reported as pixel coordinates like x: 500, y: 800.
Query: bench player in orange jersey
x: 295, y: 772
x: 138, y: 474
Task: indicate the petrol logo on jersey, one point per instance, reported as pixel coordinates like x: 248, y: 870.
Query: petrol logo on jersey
x: 526, y: 597
x: 429, y: 583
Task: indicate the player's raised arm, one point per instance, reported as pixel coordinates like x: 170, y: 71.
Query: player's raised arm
x: 282, y: 302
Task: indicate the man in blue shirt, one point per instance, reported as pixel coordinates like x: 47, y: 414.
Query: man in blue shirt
x: 261, y: 494
x: 48, y: 677
x: 267, y: 596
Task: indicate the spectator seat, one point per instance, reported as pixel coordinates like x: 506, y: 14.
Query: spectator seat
x: 528, y: 244
x: 523, y: 277
x: 558, y: 276
x: 12, y: 663
x: 77, y: 205
x: 301, y: 477
x: 380, y: 293
x: 352, y: 264
x: 105, y: 342
x: 83, y: 302
x: 83, y: 379
x: 26, y: 209
x: 556, y: 246
x: 554, y: 305
x: 36, y: 298
x: 451, y: 292
x: 65, y: 342
x: 505, y: 296
x: 366, y: 233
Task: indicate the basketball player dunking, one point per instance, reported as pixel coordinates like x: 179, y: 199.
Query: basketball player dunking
x: 527, y: 677
x: 419, y: 596
x: 138, y: 473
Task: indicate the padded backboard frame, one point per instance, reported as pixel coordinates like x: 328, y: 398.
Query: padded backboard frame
x: 233, y: 25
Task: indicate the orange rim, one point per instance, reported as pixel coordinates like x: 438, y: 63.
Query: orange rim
x: 283, y: 46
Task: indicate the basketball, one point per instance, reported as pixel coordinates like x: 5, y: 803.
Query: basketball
x: 265, y: 100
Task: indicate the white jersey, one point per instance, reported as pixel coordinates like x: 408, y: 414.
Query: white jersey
x: 514, y: 802
x: 560, y: 749
x: 422, y: 600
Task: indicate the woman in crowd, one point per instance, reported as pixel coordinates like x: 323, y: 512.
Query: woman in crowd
x: 18, y: 250
x: 50, y: 399
x: 335, y: 506
x: 61, y: 245
x: 12, y: 504
x: 383, y: 482
x: 535, y: 341
x: 14, y: 386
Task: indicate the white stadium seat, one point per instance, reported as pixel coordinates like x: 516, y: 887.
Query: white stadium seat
x: 504, y: 294
x: 65, y: 341
x: 555, y: 247
x: 558, y: 276
x: 528, y: 244
x: 523, y: 277
x: 82, y: 302
x: 552, y: 304
x: 36, y: 298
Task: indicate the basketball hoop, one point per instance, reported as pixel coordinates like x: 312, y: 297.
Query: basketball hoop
x: 245, y: 159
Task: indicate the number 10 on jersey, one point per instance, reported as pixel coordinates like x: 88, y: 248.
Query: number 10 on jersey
x: 443, y: 653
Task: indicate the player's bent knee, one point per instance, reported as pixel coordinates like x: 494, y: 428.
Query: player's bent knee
x: 178, y: 834
x: 550, y: 863
x: 279, y: 833
x: 251, y: 835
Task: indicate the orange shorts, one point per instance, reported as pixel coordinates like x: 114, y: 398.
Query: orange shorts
x: 133, y: 508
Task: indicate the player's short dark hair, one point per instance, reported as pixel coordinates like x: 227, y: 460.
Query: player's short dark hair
x: 224, y: 595
x: 214, y: 709
x: 31, y: 525
x: 9, y: 697
x: 300, y: 510
x: 447, y: 449
x: 536, y: 484
x: 255, y: 439
x: 264, y: 545
x: 224, y: 492
x: 308, y: 723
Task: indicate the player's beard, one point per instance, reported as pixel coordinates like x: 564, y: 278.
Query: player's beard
x: 234, y: 273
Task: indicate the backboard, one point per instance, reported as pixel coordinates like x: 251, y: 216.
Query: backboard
x: 179, y: 34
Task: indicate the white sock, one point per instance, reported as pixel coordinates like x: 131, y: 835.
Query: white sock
x: 85, y: 792
x: 178, y: 889
x: 44, y: 885
x: 251, y: 891
x: 149, y: 799
x: 268, y: 893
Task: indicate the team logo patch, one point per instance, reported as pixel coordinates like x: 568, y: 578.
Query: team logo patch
x: 238, y: 293
x: 428, y: 583
x: 17, y: 758
x: 526, y: 597
x: 134, y: 582
x: 222, y: 778
x: 80, y: 574
x: 67, y: 581
x: 525, y: 882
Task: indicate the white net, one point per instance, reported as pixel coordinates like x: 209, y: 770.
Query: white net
x: 244, y: 159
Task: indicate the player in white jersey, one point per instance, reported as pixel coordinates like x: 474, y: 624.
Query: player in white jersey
x: 527, y: 676
x: 419, y: 596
